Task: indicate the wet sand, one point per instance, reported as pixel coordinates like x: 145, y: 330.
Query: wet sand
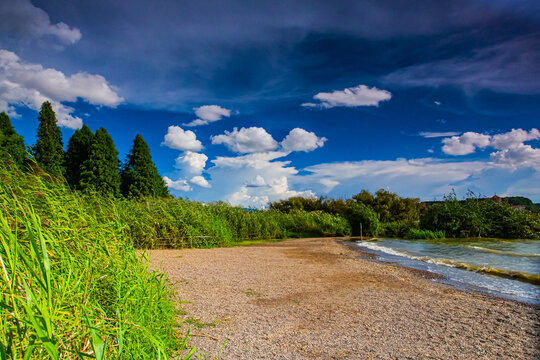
x: 316, y: 299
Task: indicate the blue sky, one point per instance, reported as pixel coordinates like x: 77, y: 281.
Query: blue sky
x: 251, y: 102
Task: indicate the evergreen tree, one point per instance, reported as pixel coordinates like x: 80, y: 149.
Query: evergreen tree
x: 100, y: 171
x: 11, y: 144
x: 49, y: 151
x: 78, y: 151
x: 139, y: 175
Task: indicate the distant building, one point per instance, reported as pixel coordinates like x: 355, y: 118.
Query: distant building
x: 518, y: 207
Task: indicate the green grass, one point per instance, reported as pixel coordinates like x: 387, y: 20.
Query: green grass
x: 72, y: 285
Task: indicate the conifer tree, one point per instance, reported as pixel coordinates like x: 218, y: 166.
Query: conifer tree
x: 139, y: 174
x: 49, y: 151
x: 78, y: 151
x: 11, y: 144
x: 100, y: 171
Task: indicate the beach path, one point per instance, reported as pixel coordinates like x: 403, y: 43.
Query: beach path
x: 319, y: 299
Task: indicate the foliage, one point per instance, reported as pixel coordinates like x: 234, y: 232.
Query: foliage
x: 179, y: 223
x: 476, y: 217
x: 99, y: 173
x: 398, y: 229
x: 413, y: 233
x: 49, y: 151
x: 362, y: 216
x: 139, y: 175
x: 72, y: 287
x: 77, y: 153
x: 11, y: 144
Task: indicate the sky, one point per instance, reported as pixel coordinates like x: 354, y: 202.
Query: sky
x: 255, y: 101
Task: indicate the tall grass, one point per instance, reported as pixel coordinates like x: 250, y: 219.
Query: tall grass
x: 179, y: 223
x: 71, y: 287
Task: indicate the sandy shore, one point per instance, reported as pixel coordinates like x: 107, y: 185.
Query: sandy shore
x: 315, y: 299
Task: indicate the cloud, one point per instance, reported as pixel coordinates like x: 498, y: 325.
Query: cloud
x: 302, y: 140
x: 518, y: 156
x: 21, y: 19
x: 191, y: 162
x: 25, y: 84
x: 269, y: 179
x: 507, y: 67
x: 200, y: 181
x: 514, y: 138
x: 465, y: 144
x: 179, y: 185
x: 180, y: 139
x: 329, y: 184
x: 429, y: 134
x: 512, y: 152
x: 209, y: 113
x: 350, y: 97
x: 246, y: 140
x: 258, y: 181
x: 426, y: 178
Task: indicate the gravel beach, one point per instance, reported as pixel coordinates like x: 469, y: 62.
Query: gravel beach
x: 317, y: 299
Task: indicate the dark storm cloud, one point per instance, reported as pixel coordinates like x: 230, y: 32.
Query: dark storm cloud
x: 175, y: 54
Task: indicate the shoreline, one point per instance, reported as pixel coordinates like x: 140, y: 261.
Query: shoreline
x: 315, y: 298
x: 373, y: 256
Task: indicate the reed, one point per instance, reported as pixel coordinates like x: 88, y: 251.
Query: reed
x: 71, y: 283
x: 71, y: 287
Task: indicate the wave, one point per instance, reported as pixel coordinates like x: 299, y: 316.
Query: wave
x: 509, y: 274
x: 501, y: 252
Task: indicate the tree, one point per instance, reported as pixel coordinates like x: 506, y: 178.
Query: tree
x: 78, y: 151
x: 11, y: 144
x: 360, y: 215
x: 49, y: 151
x: 100, y: 171
x: 139, y: 174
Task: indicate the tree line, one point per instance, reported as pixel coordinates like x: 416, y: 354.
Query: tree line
x: 90, y: 163
x: 387, y: 214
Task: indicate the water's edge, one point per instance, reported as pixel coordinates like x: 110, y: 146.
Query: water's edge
x: 384, y: 258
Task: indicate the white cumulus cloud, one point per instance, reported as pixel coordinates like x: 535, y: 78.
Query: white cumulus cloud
x: 191, y: 162
x: 21, y: 19
x: 246, y: 140
x: 302, y: 140
x: 513, y: 153
x: 180, y: 139
x: 465, y: 144
x: 200, y: 181
x: 258, y: 181
x: 209, y: 113
x: 269, y: 179
x: 25, y: 84
x: 360, y: 95
x: 514, y: 138
x: 179, y: 185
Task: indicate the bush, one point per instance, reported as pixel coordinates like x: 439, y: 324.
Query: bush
x: 475, y: 217
x: 362, y: 215
x: 397, y: 229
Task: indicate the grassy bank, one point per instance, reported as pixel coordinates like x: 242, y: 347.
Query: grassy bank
x: 71, y: 287
x: 71, y: 284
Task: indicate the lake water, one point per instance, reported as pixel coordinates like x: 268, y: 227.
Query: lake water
x: 506, y: 268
